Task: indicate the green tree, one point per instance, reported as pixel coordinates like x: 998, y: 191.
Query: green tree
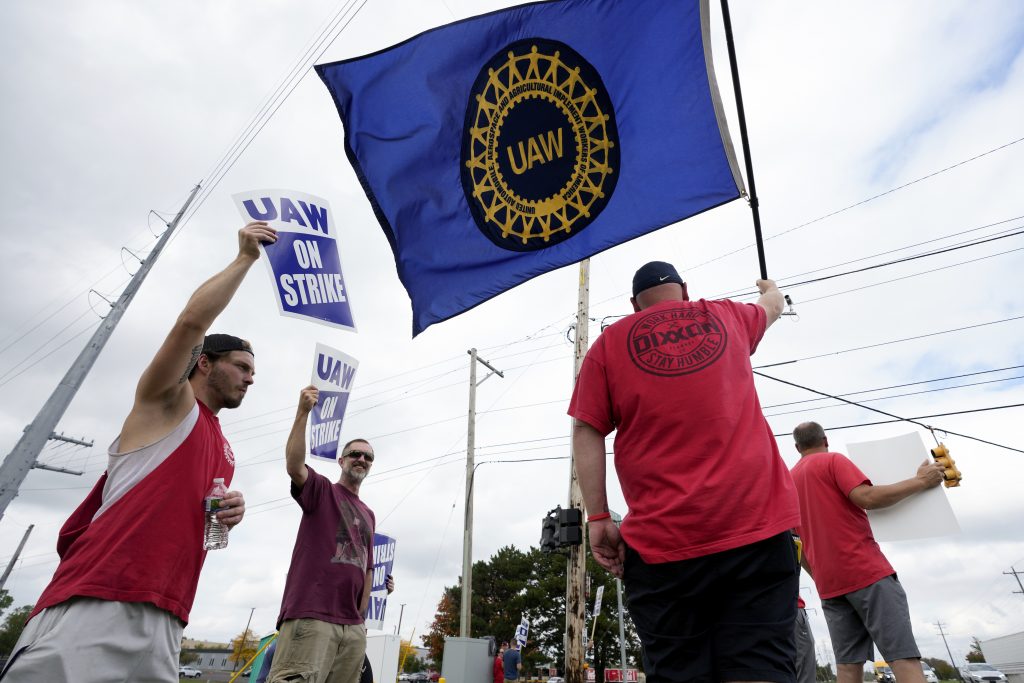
x: 514, y: 584
x: 12, y: 627
x: 943, y: 669
x: 824, y: 673
x: 975, y: 655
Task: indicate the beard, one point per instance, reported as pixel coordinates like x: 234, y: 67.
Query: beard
x: 356, y: 475
x: 219, y: 382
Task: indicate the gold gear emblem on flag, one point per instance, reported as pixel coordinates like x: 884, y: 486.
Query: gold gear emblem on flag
x: 539, y: 149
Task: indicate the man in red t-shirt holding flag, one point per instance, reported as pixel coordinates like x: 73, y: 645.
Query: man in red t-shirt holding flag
x: 861, y: 598
x: 705, y: 551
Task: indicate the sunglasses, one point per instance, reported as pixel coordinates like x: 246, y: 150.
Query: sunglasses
x: 355, y: 455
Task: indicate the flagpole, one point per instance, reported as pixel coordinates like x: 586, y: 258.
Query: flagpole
x: 743, y: 137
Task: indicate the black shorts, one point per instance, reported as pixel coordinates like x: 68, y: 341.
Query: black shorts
x: 723, y: 617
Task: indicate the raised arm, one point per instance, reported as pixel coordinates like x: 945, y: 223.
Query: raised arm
x: 771, y: 300
x: 929, y: 475
x: 295, y: 448
x: 165, y: 382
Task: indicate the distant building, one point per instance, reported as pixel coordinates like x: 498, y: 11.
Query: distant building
x: 211, y: 659
x: 1006, y: 653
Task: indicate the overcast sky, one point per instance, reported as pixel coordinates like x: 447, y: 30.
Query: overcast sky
x: 116, y: 108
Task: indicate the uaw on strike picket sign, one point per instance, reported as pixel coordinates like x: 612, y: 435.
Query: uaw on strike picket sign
x: 383, y: 563
x: 304, y: 262
x: 333, y: 373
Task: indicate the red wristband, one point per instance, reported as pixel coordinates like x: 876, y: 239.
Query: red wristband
x: 598, y: 517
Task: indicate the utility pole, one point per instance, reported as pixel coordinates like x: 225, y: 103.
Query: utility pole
x: 467, y: 529
x: 398, y: 629
x: 1016, y: 575
x: 14, y: 560
x: 617, y: 518
x: 940, y: 625
x: 23, y: 457
x: 245, y: 640
x: 576, y: 564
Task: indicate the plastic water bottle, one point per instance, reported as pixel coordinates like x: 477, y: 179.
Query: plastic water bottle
x: 215, y: 534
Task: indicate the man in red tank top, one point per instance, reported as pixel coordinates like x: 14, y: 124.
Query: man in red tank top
x: 120, y: 597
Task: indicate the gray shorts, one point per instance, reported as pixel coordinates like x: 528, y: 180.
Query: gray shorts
x: 806, y: 661
x: 86, y: 640
x: 877, y: 613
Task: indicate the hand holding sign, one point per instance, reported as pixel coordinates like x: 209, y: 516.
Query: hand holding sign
x: 333, y: 374
x: 308, y: 398
x: 252, y: 236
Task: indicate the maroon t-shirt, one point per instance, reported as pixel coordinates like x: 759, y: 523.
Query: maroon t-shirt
x: 333, y: 551
x: 699, y: 468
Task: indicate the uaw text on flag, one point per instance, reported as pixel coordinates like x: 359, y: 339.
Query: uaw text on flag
x: 333, y: 374
x: 501, y: 147
x: 304, y: 263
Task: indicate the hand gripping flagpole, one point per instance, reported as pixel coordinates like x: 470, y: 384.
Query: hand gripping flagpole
x: 743, y: 136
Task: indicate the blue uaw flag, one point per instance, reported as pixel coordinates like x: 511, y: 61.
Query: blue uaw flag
x: 506, y: 145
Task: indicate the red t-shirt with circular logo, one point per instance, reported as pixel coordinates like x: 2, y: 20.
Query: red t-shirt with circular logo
x: 696, y: 459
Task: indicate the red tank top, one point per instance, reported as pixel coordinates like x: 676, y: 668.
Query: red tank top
x: 138, y: 536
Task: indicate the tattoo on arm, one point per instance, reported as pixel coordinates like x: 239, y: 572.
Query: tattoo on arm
x: 196, y: 352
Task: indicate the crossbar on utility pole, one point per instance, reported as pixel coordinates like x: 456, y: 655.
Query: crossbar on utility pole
x: 1016, y: 575
x: 467, y: 529
x: 22, y: 458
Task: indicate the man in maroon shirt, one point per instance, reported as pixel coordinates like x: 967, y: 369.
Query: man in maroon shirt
x: 862, y: 600
x: 322, y: 633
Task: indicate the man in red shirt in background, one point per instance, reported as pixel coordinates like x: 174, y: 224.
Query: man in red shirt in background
x: 705, y: 551
x: 862, y: 600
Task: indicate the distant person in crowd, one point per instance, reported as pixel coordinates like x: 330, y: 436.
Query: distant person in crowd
x: 322, y: 632
x: 513, y: 661
x: 705, y: 551
x: 861, y: 598
x: 806, y: 661
x: 131, y: 554
x: 498, y: 674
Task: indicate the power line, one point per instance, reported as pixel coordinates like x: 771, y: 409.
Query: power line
x: 912, y: 420
x: 863, y: 201
x: 886, y: 252
x: 934, y: 252
x: 891, y: 341
x: 269, y: 113
x: 899, y: 386
x: 909, y: 393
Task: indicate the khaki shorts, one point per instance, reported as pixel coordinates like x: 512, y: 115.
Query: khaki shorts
x: 85, y: 640
x: 314, y: 651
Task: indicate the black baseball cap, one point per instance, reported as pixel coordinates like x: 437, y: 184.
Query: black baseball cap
x: 653, y: 274
x: 225, y: 343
